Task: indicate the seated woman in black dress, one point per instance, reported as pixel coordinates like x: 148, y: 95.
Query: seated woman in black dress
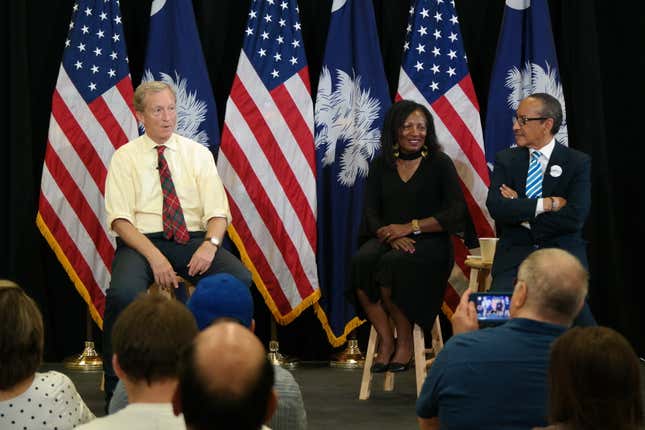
x: 413, y: 202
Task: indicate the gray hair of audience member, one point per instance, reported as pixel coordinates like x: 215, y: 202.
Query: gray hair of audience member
x: 149, y: 335
x: 225, y: 380
x: 551, y: 108
x: 146, y: 88
x: 22, y: 335
x: 557, y: 283
x: 594, y: 379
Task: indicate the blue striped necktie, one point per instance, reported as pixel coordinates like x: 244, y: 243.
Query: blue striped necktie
x: 534, y: 177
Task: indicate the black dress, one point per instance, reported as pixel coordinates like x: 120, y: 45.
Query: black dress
x: 417, y: 280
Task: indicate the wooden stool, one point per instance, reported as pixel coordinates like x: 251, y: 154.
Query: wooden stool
x: 421, y: 363
x: 480, y: 279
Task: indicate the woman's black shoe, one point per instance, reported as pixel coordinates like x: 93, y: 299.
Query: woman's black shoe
x: 398, y: 367
x: 379, y: 367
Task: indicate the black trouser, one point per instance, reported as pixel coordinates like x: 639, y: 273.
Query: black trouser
x: 132, y: 275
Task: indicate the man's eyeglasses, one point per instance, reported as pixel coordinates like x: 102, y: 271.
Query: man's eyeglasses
x: 522, y: 120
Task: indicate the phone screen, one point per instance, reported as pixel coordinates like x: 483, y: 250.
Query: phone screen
x: 492, y: 307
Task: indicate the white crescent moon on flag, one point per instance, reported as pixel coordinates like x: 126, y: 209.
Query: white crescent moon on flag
x: 518, y: 4
x: 337, y: 5
x: 157, y: 5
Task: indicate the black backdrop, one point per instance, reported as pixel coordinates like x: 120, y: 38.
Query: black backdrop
x: 600, y: 49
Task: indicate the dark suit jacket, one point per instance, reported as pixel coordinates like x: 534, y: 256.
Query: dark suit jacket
x: 561, y: 229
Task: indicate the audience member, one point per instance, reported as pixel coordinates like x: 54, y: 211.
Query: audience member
x: 30, y: 399
x: 594, y: 379
x: 147, y: 338
x: 233, y: 391
x: 224, y: 296
x: 496, y: 378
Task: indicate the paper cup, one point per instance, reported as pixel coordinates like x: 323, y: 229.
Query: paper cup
x: 487, y: 247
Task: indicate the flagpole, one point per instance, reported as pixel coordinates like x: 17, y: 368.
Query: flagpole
x: 274, y: 355
x: 88, y: 360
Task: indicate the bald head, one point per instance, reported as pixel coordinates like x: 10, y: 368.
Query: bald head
x: 555, y: 285
x: 226, y: 379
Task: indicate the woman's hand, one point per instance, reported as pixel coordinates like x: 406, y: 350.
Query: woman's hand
x: 390, y: 232
x: 404, y: 244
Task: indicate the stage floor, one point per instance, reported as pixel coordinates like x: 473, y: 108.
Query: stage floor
x: 330, y: 396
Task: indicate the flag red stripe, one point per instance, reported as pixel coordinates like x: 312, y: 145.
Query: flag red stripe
x: 259, y: 260
x: 290, y: 184
x: 125, y: 88
x: 81, y: 207
x: 304, y: 76
x: 467, y: 87
x: 72, y: 253
x: 266, y: 210
x: 482, y: 226
x: 296, y: 123
x: 108, y: 122
x: 462, y: 136
x: 79, y: 141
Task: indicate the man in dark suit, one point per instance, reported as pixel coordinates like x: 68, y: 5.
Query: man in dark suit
x: 551, y: 211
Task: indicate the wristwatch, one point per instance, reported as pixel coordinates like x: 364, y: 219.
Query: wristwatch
x: 215, y: 241
x: 416, y: 228
x: 554, y: 203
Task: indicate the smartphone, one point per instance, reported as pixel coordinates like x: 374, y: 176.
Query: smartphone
x: 492, y: 308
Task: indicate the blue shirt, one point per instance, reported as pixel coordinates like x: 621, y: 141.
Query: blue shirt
x: 494, y: 378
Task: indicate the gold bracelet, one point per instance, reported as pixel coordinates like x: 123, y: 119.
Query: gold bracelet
x: 416, y: 228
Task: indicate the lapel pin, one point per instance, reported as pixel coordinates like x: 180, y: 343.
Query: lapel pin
x: 555, y: 171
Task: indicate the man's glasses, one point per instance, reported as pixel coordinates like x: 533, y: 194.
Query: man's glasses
x: 522, y: 120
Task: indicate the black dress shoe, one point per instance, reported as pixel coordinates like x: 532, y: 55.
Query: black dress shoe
x: 398, y: 367
x: 379, y: 367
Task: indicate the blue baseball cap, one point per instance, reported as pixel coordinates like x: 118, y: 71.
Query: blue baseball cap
x: 221, y: 295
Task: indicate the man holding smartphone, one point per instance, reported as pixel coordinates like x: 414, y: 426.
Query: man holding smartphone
x: 503, y: 369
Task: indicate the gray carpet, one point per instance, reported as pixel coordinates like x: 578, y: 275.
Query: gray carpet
x: 330, y: 395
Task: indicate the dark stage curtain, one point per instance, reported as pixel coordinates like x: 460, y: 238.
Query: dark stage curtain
x: 600, y: 48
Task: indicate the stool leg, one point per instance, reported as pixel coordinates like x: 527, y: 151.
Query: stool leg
x: 366, y: 381
x: 419, y: 356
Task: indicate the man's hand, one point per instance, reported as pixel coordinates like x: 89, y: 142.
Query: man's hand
x: 465, y: 317
x: 507, y: 192
x: 557, y: 203
x: 201, y: 260
x: 162, y: 271
x: 405, y: 244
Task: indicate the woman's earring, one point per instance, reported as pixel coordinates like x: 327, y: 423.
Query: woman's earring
x: 395, y: 150
x: 424, y: 151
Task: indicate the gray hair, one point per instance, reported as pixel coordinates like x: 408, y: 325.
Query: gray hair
x: 146, y: 88
x: 551, y: 108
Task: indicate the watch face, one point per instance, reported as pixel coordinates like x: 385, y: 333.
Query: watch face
x: 215, y: 241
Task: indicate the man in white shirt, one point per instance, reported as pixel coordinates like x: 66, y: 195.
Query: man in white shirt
x: 148, y: 337
x: 167, y: 206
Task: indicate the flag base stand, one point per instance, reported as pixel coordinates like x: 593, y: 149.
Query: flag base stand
x: 278, y: 359
x: 351, y: 357
x: 87, y: 361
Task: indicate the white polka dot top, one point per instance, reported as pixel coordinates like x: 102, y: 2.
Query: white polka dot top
x: 51, y: 403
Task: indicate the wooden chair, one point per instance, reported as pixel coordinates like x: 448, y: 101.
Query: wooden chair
x: 421, y: 360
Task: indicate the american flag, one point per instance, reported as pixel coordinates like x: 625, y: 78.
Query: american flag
x: 91, y: 116
x: 267, y: 160
x: 435, y: 73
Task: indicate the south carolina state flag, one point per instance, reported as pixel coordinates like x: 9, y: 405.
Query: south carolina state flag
x: 174, y: 56
x: 526, y: 63
x: 351, y: 102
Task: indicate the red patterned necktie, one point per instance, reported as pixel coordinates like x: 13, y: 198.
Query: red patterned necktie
x: 174, y: 225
